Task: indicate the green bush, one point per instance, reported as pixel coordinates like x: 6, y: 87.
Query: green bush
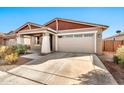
x: 115, y: 59
x: 28, y: 47
x: 21, y: 49
x: 120, y: 55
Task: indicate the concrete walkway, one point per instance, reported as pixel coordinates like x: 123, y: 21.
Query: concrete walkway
x: 32, y: 56
x: 107, y: 56
x: 60, y: 69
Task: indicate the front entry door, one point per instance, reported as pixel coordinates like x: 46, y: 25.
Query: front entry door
x: 51, y: 42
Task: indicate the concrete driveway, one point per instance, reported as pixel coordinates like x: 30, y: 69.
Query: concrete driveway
x: 60, y: 69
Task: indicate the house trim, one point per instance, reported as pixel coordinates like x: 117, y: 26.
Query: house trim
x: 78, y: 22
x: 57, y: 25
x: 80, y: 29
x: 40, y: 30
x: 76, y: 33
x: 28, y: 23
x: 29, y: 26
x: 44, y: 31
x: 95, y: 42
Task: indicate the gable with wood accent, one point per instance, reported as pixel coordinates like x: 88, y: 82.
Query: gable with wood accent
x: 66, y: 24
x: 28, y: 26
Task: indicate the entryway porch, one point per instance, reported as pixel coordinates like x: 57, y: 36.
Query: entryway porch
x: 39, y: 41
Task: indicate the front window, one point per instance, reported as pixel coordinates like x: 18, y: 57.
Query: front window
x: 88, y: 35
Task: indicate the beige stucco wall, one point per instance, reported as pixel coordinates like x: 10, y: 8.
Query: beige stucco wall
x: 99, y: 42
x: 32, y: 43
x: 27, y: 40
x: 11, y: 42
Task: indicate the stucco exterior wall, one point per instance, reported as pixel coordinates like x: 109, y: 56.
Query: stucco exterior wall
x: 27, y: 40
x: 19, y: 39
x: 99, y: 42
x: 11, y: 42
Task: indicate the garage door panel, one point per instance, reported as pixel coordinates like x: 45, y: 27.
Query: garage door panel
x: 76, y: 44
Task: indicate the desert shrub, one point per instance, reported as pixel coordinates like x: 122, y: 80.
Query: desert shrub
x: 21, y: 49
x: 11, y: 58
x: 8, y: 54
x: 3, y: 51
x: 120, y: 55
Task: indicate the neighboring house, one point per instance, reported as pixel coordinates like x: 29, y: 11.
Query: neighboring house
x: 7, y: 39
x: 61, y: 35
x: 1, y: 38
x: 10, y: 40
x: 116, y: 37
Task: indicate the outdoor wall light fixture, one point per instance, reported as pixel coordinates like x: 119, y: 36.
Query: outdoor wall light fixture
x: 99, y: 35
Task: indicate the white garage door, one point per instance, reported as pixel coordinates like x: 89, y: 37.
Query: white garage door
x: 76, y: 43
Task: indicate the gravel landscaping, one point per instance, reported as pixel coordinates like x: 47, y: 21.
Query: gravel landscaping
x: 6, y: 67
x: 115, y: 69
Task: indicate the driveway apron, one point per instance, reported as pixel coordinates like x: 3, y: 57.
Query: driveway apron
x: 58, y: 69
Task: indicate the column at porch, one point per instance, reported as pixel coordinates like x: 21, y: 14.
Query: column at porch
x: 45, y: 46
x: 32, y: 41
x: 20, y: 39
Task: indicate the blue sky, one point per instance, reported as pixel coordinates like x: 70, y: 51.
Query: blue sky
x: 12, y: 18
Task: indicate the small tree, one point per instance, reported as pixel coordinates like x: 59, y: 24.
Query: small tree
x: 118, y: 31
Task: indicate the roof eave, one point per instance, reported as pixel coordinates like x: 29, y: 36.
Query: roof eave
x: 92, y: 24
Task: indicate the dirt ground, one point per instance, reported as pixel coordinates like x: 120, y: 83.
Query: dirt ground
x: 116, y: 70
x: 21, y: 61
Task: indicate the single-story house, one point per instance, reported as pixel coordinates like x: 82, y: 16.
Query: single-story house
x: 6, y: 38
x: 61, y: 35
x: 119, y: 36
